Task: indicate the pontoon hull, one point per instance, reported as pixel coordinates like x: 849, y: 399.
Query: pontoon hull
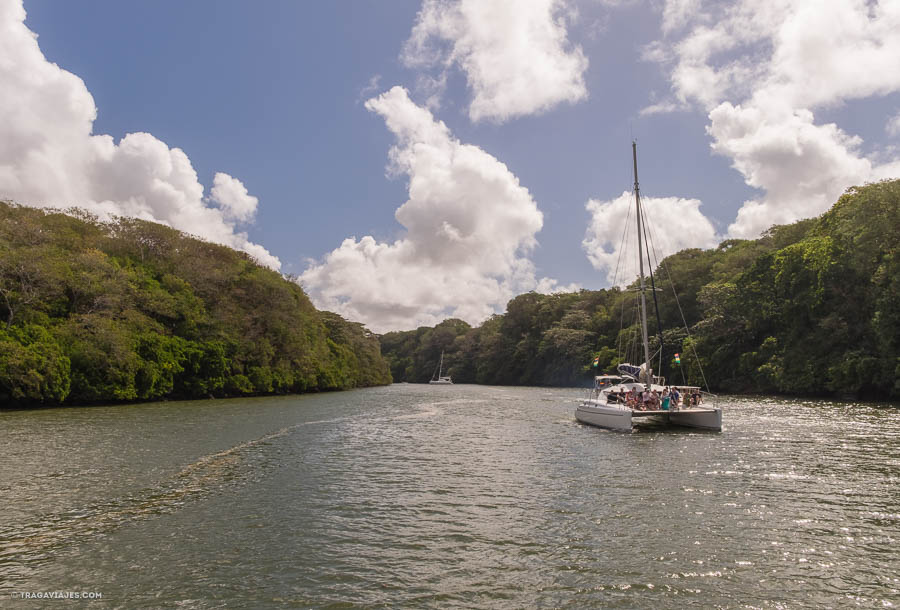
x: 617, y: 418
x: 708, y: 419
x: 604, y: 417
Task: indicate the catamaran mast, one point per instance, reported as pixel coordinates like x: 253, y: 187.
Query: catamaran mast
x: 637, y: 203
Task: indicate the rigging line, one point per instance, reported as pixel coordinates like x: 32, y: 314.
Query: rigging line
x: 655, y: 302
x: 627, y: 342
x: 622, y: 248
x: 630, y: 348
x: 653, y: 289
x: 636, y: 344
x: 622, y: 245
x: 622, y: 342
x: 684, y: 321
x: 653, y: 243
x: 657, y: 261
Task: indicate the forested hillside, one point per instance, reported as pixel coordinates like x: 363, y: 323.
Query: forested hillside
x: 809, y: 308
x: 132, y: 310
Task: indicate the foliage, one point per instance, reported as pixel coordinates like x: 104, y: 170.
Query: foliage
x: 33, y: 366
x: 127, y: 310
x: 808, y: 308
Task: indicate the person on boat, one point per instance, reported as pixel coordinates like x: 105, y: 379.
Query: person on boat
x: 632, y: 398
x: 654, y: 400
x: 673, y: 398
x: 647, y: 400
x: 698, y: 398
x: 665, y: 399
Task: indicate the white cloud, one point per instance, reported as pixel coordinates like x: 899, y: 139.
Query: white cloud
x: 893, y: 125
x: 468, y: 223
x: 677, y: 13
x: 233, y: 198
x: 761, y: 69
x: 611, y: 239
x: 516, y: 55
x: 802, y: 167
x: 49, y: 156
x: 663, y: 107
x: 371, y: 87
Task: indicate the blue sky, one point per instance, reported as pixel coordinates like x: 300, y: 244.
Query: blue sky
x: 308, y: 124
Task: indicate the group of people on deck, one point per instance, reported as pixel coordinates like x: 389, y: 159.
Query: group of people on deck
x: 651, y: 400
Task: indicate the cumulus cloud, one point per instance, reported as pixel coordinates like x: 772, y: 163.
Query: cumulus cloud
x: 677, y: 13
x: 761, y: 70
x: 893, y: 125
x: 469, y: 226
x: 802, y: 167
x: 516, y: 55
x: 611, y: 240
x: 233, y: 198
x: 50, y: 157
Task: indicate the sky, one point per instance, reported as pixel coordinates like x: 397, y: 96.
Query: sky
x: 414, y: 160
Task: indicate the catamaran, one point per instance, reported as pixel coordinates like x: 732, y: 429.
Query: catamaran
x: 636, y: 396
x: 437, y: 378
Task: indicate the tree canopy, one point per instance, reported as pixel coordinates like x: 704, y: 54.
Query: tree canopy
x: 128, y: 310
x: 809, y: 308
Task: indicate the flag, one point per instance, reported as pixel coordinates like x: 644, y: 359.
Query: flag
x: 597, y: 361
x: 677, y: 358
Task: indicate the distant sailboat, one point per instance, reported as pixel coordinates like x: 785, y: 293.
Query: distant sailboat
x: 438, y: 378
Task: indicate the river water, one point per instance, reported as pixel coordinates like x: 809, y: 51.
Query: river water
x: 449, y: 496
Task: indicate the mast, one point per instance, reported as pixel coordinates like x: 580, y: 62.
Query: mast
x: 637, y: 203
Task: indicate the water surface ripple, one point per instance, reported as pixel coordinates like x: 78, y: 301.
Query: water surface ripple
x: 450, y: 496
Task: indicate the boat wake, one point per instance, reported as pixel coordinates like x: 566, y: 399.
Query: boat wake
x: 23, y: 548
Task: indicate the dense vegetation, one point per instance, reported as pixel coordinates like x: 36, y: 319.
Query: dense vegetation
x: 809, y: 308
x: 131, y: 310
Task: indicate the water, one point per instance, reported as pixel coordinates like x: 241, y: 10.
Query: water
x: 449, y: 496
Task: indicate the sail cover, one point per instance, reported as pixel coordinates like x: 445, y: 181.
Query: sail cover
x: 630, y: 370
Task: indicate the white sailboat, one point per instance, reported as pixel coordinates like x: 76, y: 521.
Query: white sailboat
x: 438, y: 378
x: 629, y: 399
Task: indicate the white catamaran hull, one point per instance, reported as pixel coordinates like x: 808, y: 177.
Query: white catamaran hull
x: 617, y: 418
x: 604, y: 417
x: 708, y: 419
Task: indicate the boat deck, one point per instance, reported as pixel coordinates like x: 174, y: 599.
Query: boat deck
x: 635, y: 413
